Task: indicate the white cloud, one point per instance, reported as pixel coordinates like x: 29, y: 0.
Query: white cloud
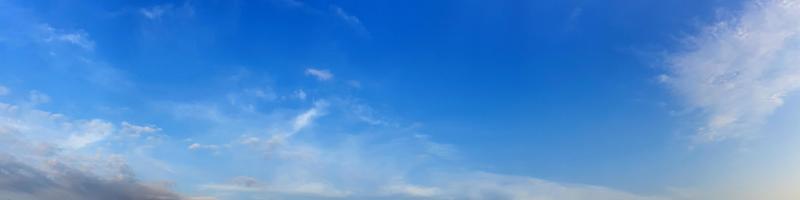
x: 305, y: 118
x: 275, y: 143
x: 320, y: 74
x: 738, y: 71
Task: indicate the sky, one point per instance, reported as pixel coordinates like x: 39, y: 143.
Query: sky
x: 324, y: 99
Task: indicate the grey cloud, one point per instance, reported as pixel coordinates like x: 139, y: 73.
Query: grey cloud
x: 22, y: 181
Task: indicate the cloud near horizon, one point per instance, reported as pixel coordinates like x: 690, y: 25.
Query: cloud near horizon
x: 739, y: 70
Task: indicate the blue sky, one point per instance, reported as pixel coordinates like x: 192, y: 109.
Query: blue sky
x: 294, y: 99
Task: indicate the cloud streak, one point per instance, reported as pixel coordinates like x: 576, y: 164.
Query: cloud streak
x: 350, y: 19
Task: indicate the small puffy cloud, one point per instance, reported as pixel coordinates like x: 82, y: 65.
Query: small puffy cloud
x: 320, y: 74
x: 737, y: 72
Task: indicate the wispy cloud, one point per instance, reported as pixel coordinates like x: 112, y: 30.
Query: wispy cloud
x: 320, y: 74
x: 138, y: 130
x: 738, y: 71
x: 78, y: 38
x: 350, y: 19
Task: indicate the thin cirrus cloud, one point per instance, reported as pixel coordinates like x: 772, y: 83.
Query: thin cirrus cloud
x: 738, y: 71
x: 354, y: 167
x: 350, y: 19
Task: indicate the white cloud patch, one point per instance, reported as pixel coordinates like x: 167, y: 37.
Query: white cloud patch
x: 738, y: 71
x: 320, y: 74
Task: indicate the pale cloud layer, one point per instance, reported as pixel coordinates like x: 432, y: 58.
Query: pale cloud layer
x: 738, y: 71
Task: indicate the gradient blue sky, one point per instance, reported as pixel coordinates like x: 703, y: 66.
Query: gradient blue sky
x: 295, y: 99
